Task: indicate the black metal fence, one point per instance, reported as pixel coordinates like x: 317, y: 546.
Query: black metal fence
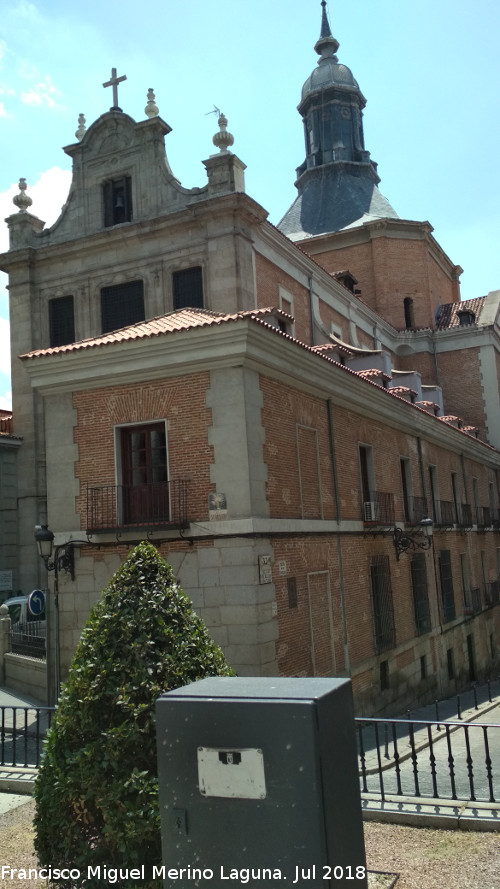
x: 29, y: 639
x: 22, y: 732
x: 441, y: 758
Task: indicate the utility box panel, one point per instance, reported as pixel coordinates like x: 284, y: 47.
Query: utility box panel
x: 259, y: 783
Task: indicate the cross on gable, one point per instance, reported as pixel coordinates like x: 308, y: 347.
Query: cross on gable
x: 114, y: 81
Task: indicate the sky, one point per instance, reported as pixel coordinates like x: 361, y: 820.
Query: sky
x: 429, y: 72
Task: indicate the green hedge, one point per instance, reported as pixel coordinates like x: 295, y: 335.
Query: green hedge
x: 97, y: 790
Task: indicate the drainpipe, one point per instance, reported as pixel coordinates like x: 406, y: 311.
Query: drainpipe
x: 421, y: 466
x: 339, y: 542
x: 311, y: 309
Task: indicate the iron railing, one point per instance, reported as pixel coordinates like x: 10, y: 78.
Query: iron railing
x: 464, y: 517
x: 492, y: 592
x: 29, y: 639
x: 420, y: 758
x: 444, y: 513
x: 417, y: 510
x: 379, y: 509
x: 22, y: 733
x: 483, y: 517
x: 120, y: 506
x: 472, y: 601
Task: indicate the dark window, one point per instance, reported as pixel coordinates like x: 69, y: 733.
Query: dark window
x: 408, y: 308
x: 405, y: 479
x: 188, y: 288
x: 383, y: 612
x: 144, y: 474
x: 420, y: 593
x: 121, y: 305
x: 61, y: 321
x: 447, y: 594
x: 117, y: 201
x: 291, y: 585
x: 423, y: 667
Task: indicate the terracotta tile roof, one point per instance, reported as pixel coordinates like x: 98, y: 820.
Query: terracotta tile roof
x: 182, y: 319
x: 448, y: 313
x: 6, y: 423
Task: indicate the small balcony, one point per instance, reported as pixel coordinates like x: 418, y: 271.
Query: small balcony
x: 472, y: 601
x: 415, y: 510
x: 444, y: 513
x: 379, y: 509
x: 483, y: 517
x: 464, y: 517
x: 110, y: 507
x: 492, y: 593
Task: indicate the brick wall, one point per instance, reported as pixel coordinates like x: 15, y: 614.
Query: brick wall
x: 189, y: 454
x: 293, y: 423
x: 270, y: 278
x: 460, y: 378
x: 390, y: 269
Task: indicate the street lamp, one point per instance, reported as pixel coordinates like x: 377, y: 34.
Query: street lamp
x: 420, y: 538
x: 58, y: 558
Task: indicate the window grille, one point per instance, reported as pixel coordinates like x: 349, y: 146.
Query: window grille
x: 420, y: 593
x: 121, y: 305
x: 382, y: 605
x: 447, y: 594
x: 61, y: 321
x: 188, y: 288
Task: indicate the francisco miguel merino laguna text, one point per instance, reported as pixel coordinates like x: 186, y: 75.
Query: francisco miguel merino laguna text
x: 242, y: 875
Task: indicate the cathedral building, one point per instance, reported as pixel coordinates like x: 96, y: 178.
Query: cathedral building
x: 303, y: 419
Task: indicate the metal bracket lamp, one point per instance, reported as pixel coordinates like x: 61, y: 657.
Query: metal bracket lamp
x: 420, y: 538
x: 64, y: 554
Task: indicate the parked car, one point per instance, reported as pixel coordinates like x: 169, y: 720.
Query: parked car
x: 19, y: 612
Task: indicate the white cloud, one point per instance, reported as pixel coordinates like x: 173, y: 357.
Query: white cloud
x: 3, y: 110
x: 43, y: 93
x: 48, y: 196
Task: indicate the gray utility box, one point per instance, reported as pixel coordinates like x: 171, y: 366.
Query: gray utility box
x: 259, y: 783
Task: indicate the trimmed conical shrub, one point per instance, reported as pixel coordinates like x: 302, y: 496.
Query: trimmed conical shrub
x: 97, y: 789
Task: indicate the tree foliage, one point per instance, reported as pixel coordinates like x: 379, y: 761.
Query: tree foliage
x: 97, y: 789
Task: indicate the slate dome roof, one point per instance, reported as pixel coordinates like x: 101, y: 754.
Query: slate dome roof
x: 328, y: 73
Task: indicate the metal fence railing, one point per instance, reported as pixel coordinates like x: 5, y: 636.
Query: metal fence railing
x: 419, y: 758
x: 433, y: 753
x: 29, y: 639
x: 22, y: 732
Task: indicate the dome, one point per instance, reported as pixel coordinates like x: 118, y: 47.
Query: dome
x: 328, y: 73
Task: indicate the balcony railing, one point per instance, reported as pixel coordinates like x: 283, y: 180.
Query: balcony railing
x: 472, y: 601
x: 416, y: 511
x: 483, y: 517
x: 464, y: 518
x: 131, y: 506
x: 379, y: 509
x: 492, y: 592
x: 444, y: 513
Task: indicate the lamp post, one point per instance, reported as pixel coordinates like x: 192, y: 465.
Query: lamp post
x: 60, y: 557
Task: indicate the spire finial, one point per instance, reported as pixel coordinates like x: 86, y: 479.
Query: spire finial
x: 82, y: 129
x: 222, y: 140
x: 151, y: 108
x: 326, y: 46
x: 22, y: 200
x: 325, y: 24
